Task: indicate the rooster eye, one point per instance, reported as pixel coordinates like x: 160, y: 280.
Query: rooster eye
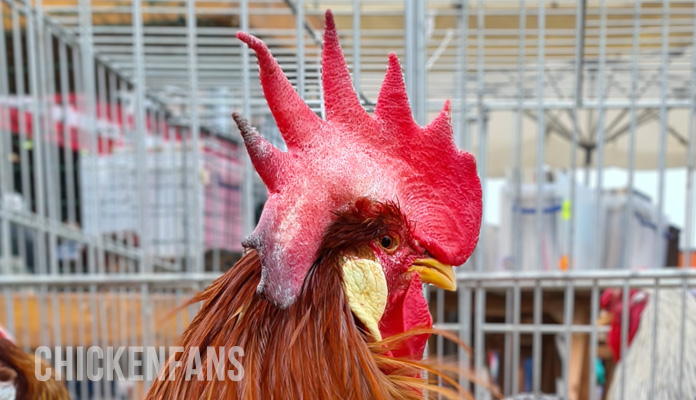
x: 388, y: 242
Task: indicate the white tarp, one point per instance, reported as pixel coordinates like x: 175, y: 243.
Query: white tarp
x: 556, y: 214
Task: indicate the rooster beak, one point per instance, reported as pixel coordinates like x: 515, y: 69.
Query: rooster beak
x: 605, y: 318
x: 434, y: 272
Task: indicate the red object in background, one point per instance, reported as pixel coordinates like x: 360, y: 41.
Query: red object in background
x: 111, y: 123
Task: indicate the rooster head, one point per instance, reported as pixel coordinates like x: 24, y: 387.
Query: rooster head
x: 394, y: 204
x: 611, y: 305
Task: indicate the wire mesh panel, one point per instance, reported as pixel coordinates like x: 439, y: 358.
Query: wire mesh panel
x: 119, y: 162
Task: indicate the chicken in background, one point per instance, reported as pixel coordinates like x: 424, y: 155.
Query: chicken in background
x: 638, y: 362
x: 18, y: 379
x: 327, y: 302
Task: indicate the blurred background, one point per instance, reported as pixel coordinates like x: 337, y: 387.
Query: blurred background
x: 124, y: 188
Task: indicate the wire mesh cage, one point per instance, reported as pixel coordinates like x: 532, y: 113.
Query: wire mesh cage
x: 124, y: 188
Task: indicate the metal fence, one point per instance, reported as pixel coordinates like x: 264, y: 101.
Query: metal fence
x: 124, y: 188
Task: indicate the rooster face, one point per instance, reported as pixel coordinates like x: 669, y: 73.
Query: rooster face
x: 384, y: 266
x: 611, y: 304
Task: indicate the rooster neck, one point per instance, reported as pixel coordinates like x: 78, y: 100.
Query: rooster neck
x: 312, y: 349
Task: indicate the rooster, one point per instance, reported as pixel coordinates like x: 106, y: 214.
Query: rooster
x: 637, y: 361
x: 327, y: 300
x: 18, y: 372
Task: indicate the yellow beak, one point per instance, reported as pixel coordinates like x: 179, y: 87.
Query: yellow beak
x: 605, y: 318
x: 436, y: 273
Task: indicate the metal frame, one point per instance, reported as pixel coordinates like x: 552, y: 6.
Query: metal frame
x: 594, y: 84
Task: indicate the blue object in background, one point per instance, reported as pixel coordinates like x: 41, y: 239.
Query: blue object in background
x: 527, y: 367
x: 601, y: 372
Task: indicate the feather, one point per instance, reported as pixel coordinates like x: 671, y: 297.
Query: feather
x: 638, y: 360
x: 17, y: 366
x: 312, y: 349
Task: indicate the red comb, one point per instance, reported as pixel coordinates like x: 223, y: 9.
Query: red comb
x: 386, y: 157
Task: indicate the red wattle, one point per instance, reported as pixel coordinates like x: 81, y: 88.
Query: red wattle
x: 406, y: 310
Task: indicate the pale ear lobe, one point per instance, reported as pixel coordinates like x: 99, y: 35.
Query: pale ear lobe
x: 639, y: 297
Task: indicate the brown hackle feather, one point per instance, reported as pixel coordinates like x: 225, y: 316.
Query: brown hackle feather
x: 24, y: 367
x: 311, y: 350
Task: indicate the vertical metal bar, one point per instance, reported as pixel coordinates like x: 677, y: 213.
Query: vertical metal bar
x: 104, y: 331
x: 633, y: 126
x: 322, y: 109
x: 481, y: 121
x: 248, y: 177
x: 594, y: 311
x: 114, y: 261
x: 688, y: 224
x: 601, y: 97
x: 569, y: 300
x: 299, y: 35
x: 68, y: 296
x: 71, y: 187
x: 628, y: 216
x: 36, y: 89
x: 541, y: 134
x: 141, y: 162
x: 462, y: 138
x: 578, y: 95
x: 664, y: 87
x: 179, y: 192
x: 24, y: 186
x: 356, y: 46
x: 536, y: 340
x: 461, y: 111
x: 35, y: 57
x: 100, y: 320
x: 440, y: 317
x: 516, y: 304
x: 197, y: 206
x: 220, y: 207
x: 79, y: 305
x: 599, y: 216
x: 516, y: 231
x: 624, y: 336
x: 88, y: 70
x: 655, y: 299
x: 185, y: 177
x: 140, y: 131
x: 569, y: 306
x: 479, y: 335
x: 464, y: 319
x: 479, y: 340
x: 67, y: 132
x: 682, y: 336
x: 5, y: 164
x: 53, y: 183
x: 6, y: 176
x: 507, y: 347
x: 511, y: 378
x: 89, y: 104
x: 416, y: 59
